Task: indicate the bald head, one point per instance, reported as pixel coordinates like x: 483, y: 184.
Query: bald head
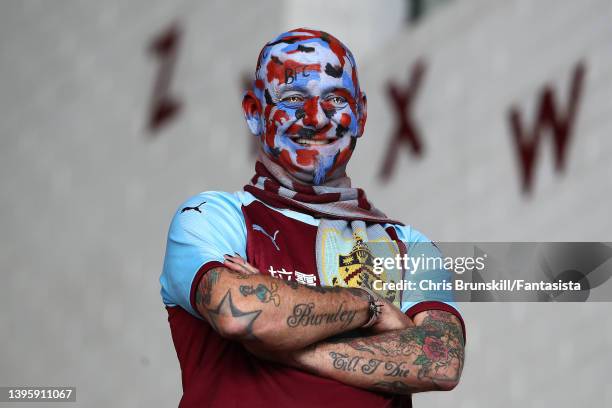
x: 306, y: 105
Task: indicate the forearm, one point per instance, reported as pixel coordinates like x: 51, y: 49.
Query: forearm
x: 420, y: 358
x: 275, y: 314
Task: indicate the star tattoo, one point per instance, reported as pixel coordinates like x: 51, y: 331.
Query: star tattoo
x: 227, y: 308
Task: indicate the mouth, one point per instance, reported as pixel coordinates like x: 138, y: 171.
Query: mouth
x: 312, y: 142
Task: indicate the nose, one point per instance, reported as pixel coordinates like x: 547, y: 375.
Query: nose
x: 314, y: 115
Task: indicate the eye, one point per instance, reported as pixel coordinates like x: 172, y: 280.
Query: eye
x: 336, y: 100
x: 293, y: 99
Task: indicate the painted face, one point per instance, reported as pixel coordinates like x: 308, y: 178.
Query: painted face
x: 306, y: 106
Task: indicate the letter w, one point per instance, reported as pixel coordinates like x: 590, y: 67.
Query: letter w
x: 548, y: 117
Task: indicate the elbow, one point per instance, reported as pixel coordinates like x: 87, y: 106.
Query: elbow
x: 234, y: 329
x: 449, y: 380
x: 237, y: 319
x: 445, y: 384
x: 267, y: 337
x: 213, y: 301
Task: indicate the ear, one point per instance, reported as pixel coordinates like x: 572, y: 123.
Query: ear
x: 251, y: 106
x: 362, y: 108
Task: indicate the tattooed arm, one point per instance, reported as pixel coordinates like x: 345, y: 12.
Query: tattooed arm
x: 425, y: 357
x: 272, y: 314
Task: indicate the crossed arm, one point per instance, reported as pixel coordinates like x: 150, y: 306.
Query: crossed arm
x: 316, y: 329
x: 427, y: 356
x: 273, y: 314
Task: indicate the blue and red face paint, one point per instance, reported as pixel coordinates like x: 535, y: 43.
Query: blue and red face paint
x: 306, y: 105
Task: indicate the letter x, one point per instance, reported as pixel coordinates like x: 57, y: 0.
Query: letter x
x: 406, y: 130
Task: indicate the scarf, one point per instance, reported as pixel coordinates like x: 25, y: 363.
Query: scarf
x: 350, y: 233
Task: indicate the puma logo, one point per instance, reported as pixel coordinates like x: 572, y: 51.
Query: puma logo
x: 196, y: 208
x: 263, y: 231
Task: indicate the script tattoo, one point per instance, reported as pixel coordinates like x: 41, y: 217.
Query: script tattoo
x: 433, y: 352
x: 344, y: 362
x: 371, y: 366
x: 303, y: 315
x: 393, y: 369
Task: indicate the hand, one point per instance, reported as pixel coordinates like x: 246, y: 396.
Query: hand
x: 237, y: 264
x: 390, y: 318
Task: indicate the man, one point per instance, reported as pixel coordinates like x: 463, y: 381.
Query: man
x: 269, y: 290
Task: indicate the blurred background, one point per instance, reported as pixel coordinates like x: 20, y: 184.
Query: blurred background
x: 488, y: 121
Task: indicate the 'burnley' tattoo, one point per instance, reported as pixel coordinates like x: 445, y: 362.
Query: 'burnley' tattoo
x: 303, y: 315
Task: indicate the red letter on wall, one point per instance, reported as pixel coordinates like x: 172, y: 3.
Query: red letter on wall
x: 406, y: 131
x: 561, y: 124
x: 163, y: 105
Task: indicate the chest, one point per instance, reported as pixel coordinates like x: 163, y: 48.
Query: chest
x: 281, y: 246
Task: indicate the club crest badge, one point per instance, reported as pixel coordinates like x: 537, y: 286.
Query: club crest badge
x: 356, y: 267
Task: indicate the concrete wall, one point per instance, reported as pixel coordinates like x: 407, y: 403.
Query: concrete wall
x: 87, y: 192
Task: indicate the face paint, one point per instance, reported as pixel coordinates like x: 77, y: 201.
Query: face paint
x: 309, y: 109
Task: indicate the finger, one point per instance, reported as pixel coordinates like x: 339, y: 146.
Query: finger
x: 251, y: 268
x: 231, y: 258
x: 240, y: 260
x: 238, y: 268
x: 234, y: 265
x: 242, y: 267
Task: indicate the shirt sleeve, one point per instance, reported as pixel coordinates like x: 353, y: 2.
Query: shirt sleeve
x: 203, y: 229
x: 434, y: 275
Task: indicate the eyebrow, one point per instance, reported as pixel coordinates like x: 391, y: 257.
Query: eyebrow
x: 291, y: 87
x: 337, y: 88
